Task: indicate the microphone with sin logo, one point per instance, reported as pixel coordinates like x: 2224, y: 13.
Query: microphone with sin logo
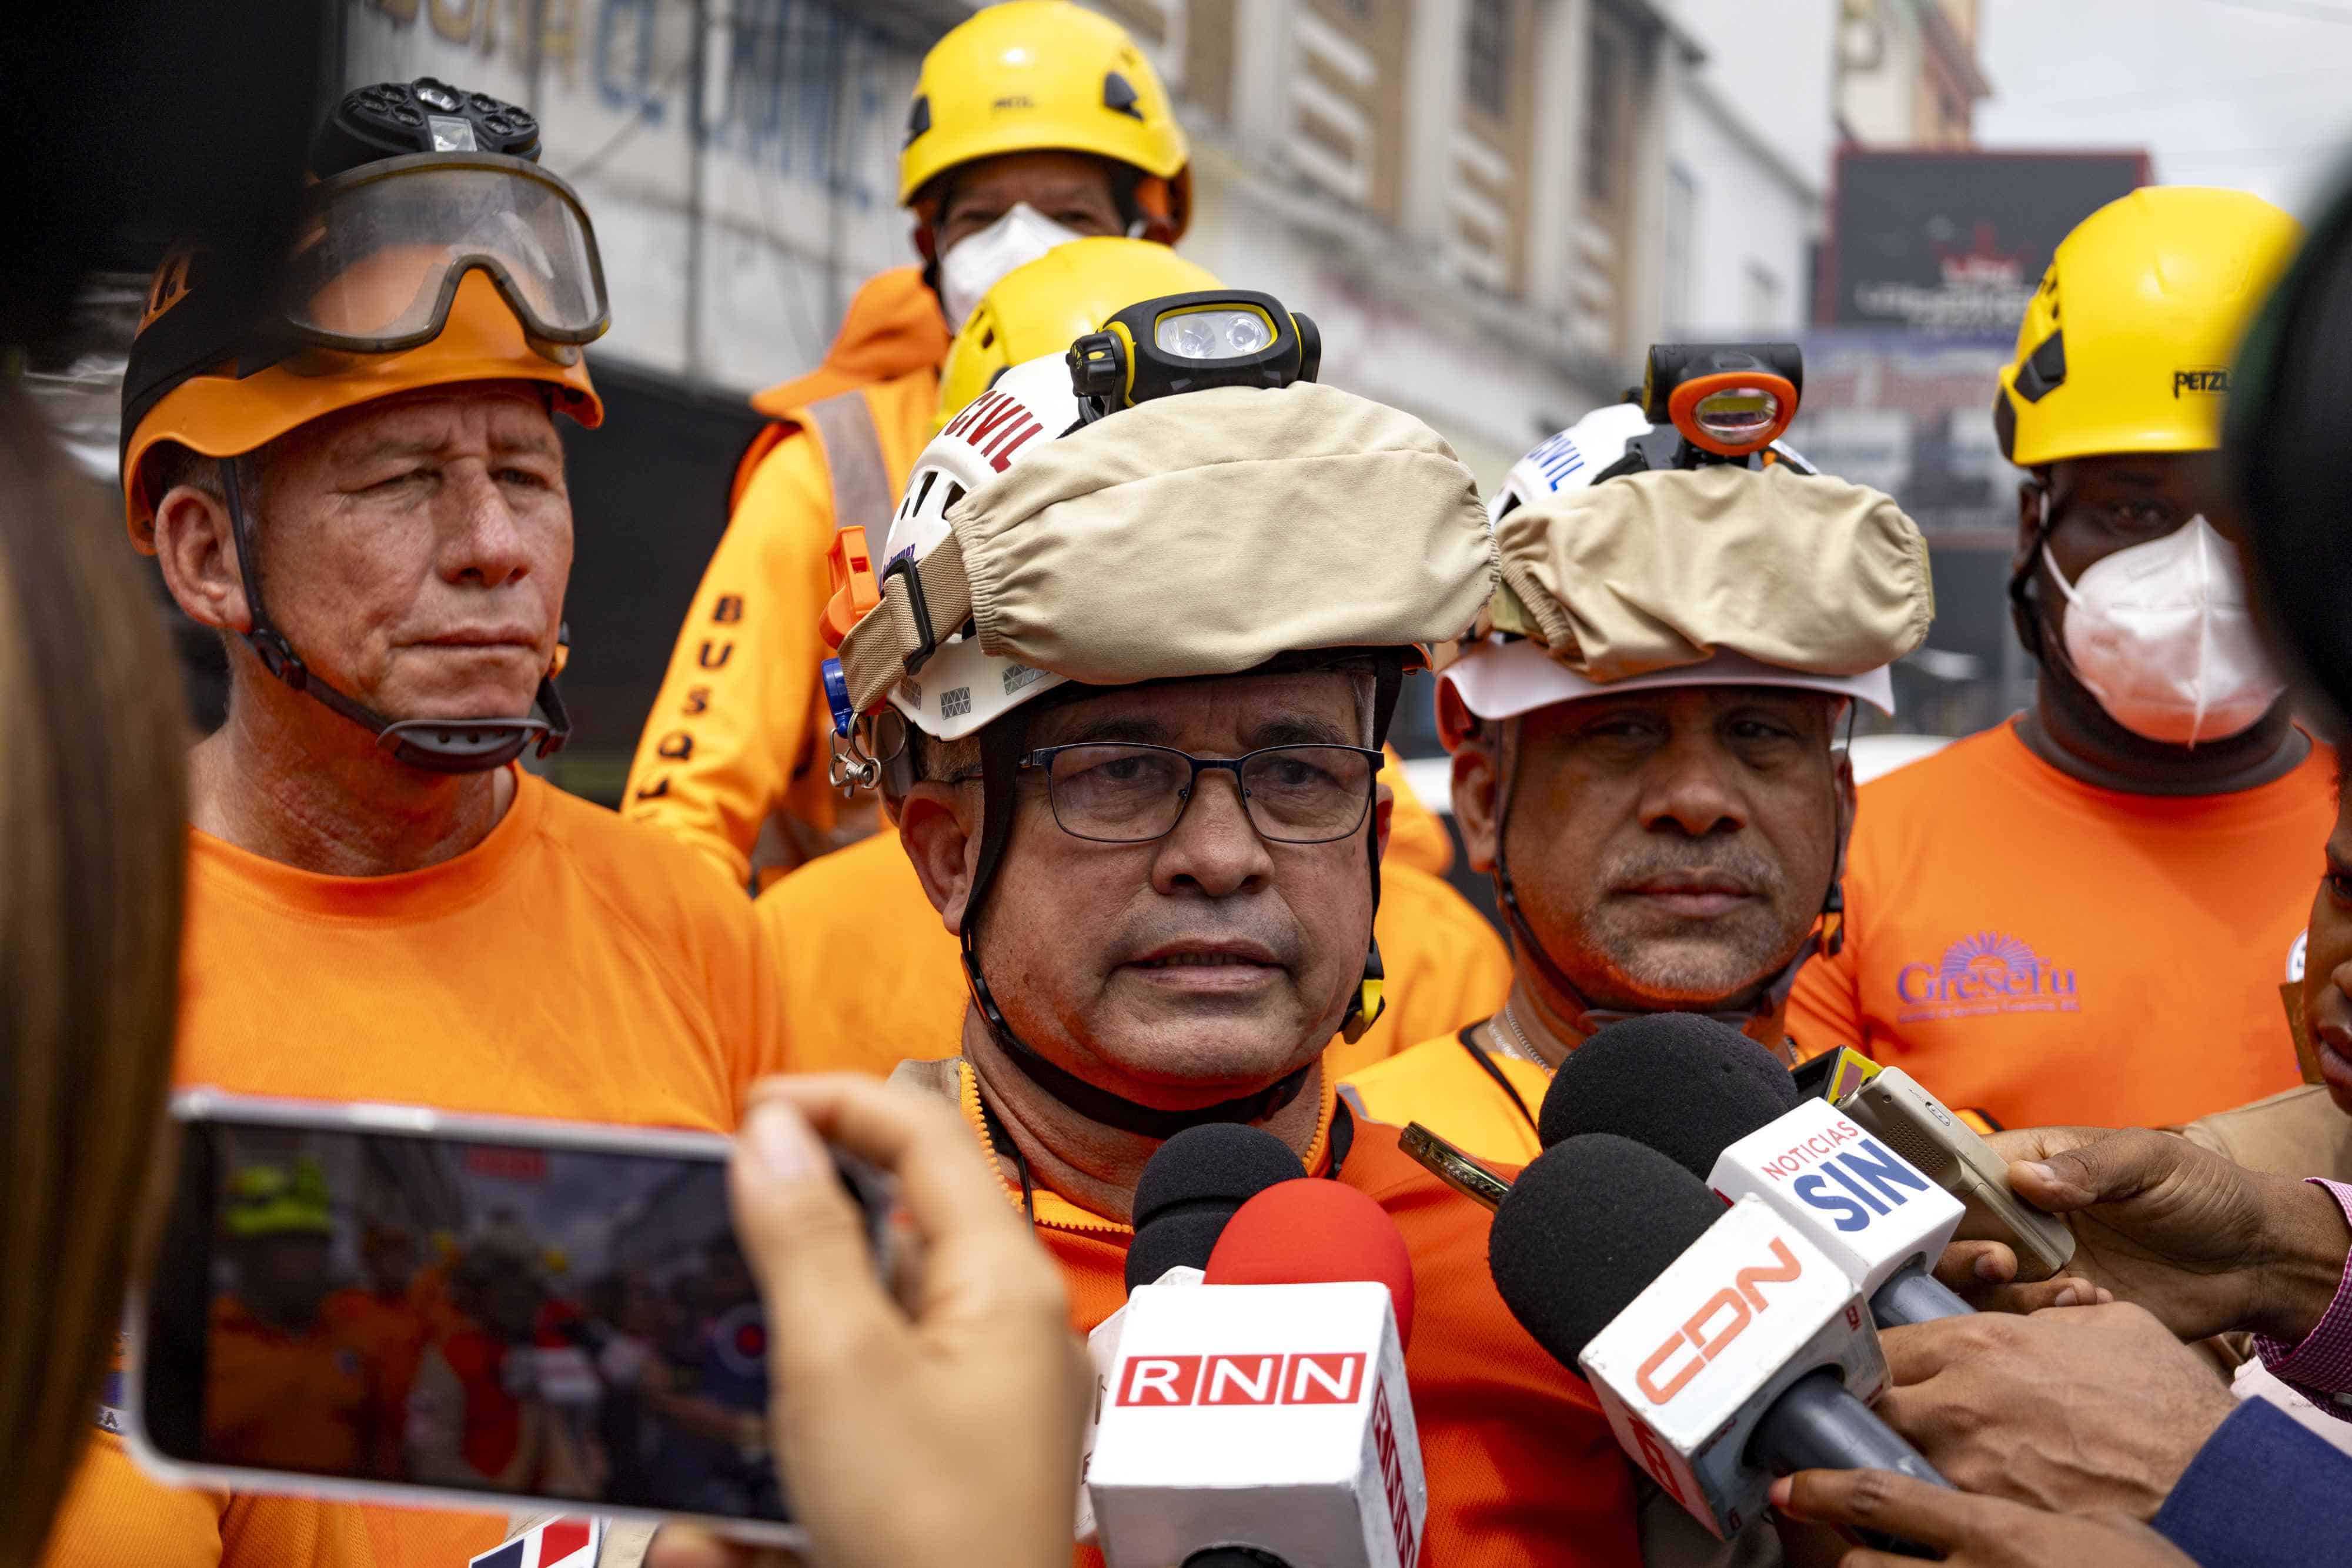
x: 1264, y: 1416
x: 1724, y: 1346
x: 1737, y: 1118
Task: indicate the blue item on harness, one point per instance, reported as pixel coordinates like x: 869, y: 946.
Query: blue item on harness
x: 836, y: 696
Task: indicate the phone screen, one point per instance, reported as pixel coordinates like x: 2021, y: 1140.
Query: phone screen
x: 504, y: 1317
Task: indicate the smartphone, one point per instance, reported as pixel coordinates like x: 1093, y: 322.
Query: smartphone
x: 1451, y: 1166
x: 1951, y: 1154
x: 387, y: 1304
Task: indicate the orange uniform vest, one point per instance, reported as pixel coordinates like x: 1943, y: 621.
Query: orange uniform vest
x: 738, y: 732
x: 1521, y: 1466
x: 2053, y: 953
x: 569, y: 965
x: 1481, y: 1101
x: 870, y: 970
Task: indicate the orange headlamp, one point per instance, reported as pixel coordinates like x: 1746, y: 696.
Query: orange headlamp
x: 1729, y: 399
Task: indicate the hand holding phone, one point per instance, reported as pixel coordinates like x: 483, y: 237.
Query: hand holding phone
x: 967, y: 1391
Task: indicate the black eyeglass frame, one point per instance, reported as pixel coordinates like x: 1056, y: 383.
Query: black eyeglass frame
x: 1042, y: 761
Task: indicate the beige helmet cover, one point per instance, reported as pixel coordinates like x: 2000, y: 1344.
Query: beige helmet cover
x: 1650, y: 572
x: 1201, y: 535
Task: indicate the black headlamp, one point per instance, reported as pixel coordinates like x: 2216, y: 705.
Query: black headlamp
x: 1183, y: 342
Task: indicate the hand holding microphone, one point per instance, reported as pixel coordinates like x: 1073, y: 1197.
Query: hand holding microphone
x: 1969, y: 1531
x: 2072, y: 1409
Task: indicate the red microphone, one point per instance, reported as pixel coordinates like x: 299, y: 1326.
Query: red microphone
x: 1308, y: 1231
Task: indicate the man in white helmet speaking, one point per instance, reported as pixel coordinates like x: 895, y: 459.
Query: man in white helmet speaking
x: 1646, y: 739
x: 1136, y: 647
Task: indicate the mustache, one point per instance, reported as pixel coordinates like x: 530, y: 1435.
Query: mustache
x: 1749, y: 867
x: 1281, y: 941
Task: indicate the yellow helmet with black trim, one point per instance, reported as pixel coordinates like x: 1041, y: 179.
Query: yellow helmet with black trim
x: 2126, y: 345
x: 1040, y: 307
x: 1031, y: 76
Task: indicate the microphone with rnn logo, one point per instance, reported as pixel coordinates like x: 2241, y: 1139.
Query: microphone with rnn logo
x: 1725, y: 1347
x: 1735, y: 1116
x: 1308, y: 1232
x: 1266, y: 1413
x: 1189, y: 1189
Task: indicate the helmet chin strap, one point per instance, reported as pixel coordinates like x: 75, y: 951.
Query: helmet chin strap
x: 1755, y: 1020
x: 1001, y: 746
x: 434, y: 745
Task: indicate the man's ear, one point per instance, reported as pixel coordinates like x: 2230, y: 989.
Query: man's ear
x: 939, y: 827
x: 1383, y: 811
x: 1477, y: 798
x: 197, y: 550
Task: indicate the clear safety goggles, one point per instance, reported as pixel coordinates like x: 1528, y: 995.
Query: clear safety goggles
x: 385, y: 245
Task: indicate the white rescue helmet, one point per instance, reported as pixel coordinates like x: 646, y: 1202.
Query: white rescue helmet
x: 960, y: 689
x: 1504, y: 677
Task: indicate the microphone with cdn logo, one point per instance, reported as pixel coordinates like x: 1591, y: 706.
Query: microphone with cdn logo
x: 1263, y: 1416
x: 1724, y: 1346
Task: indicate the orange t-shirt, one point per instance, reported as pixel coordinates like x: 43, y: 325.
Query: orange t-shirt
x: 569, y: 965
x: 1521, y: 1466
x: 2050, y: 952
x: 281, y: 1401
x: 873, y: 976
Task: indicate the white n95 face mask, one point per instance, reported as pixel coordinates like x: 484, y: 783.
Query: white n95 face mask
x: 2163, y: 637
x: 973, y: 266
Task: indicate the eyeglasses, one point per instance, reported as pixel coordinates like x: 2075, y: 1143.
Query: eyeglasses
x: 1123, y: 794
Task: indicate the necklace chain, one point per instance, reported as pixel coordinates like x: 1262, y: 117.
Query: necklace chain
x: 1516, y: 1042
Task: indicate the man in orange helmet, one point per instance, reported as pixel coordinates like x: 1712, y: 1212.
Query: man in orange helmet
x: 360, y: 489
x: 1032, y: 123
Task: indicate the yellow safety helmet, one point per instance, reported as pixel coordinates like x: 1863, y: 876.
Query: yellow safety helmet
x: 270, y: 1201
x: 1032, y: 76
x: 2126, y: 345
x: 1042, y: 306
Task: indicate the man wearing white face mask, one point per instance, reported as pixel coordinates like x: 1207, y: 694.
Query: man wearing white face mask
x: 2087, y: 914
x: 1032, y: 123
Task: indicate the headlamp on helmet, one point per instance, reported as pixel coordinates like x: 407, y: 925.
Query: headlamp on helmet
x: 1184, y: 342
x: 1727, y: 402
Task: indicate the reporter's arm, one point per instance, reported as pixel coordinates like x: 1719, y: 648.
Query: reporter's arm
x: 1970, y: 1531
x: 2261, y: 1491
x: 942, y: 1432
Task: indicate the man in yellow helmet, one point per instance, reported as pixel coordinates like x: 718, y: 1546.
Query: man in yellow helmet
x: 862, y: 911
x: 1032, y: 124
x: 2085, y: 914
x: 358, y: 488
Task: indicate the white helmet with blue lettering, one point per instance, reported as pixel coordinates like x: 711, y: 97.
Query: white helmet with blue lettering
x: 1588, y: 449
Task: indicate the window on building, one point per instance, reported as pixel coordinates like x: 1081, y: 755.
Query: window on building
x: 1485, y: 56
x: 1607, y: 60
x: 1682, y: 218
x: 1763, y: 303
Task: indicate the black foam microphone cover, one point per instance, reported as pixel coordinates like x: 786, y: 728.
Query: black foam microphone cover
x: 1687, y: 1086
x: 1585, y: 1230
x: 1191, y: 1186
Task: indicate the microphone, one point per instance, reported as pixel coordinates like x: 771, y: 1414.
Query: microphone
x: 1735, y: 1118
x: 1190, y: 1186
x: 1308, y: 1233
x: 1725, y: 1348
x: 1267, y: 1420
